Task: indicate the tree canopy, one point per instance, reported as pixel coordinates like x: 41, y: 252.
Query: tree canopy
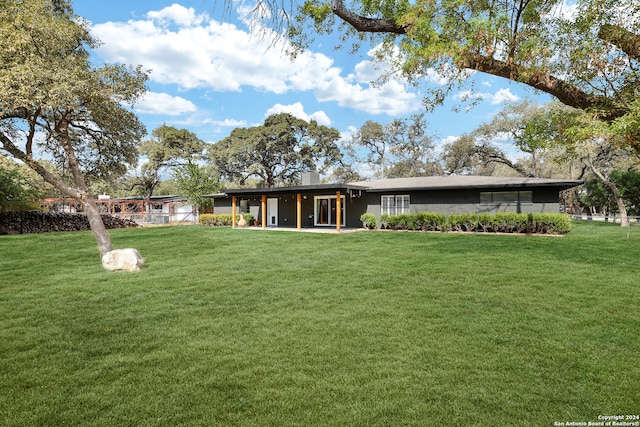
x: 167, y: 147
x: 196, y: 181
x: 399, y: 149
x: 16, y: 191
x: 586, y: 58
x: 278, y: 151
x: 55, y: 103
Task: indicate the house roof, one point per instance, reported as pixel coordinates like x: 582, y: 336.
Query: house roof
x: 280, y: 190
x: 462, y: 181
x: 449, y: 182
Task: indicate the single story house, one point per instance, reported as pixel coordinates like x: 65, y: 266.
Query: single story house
x: 340, y: 205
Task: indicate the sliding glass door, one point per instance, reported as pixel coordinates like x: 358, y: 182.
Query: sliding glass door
x: 326, y: 210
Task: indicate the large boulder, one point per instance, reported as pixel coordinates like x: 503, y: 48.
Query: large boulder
x: 123, y: 259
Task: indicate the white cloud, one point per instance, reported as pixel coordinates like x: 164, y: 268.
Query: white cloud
x: 177, y: 14
x: 297, y: 110
x: 231, y: 123
x: 194, y: 51
x: 162, y: 103
x: 391, y: 98
x: 503, y: 95
x: 439, y: 145
x: 565, y: 9
x: 434, y: 77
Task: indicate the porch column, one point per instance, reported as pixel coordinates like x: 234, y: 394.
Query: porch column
x: 263, y: 208
x: 233, y: 211
x: 299, y: 210
x: 338, y: 209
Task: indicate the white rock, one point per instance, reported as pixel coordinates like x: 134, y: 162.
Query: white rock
x: 123, y: 259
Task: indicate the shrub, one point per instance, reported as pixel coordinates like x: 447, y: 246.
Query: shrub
x: 249, y: 218
x: 509, y: 222
x: 486, y: 222
x: 222, y: 220
x: 549, y: 223
x: 404, y: 222
x: 432, y: 221
x: 368, y: 221
x: 392, y: 222
x: 207, y: 220
x: 463, y: 222
x: 384, y: 221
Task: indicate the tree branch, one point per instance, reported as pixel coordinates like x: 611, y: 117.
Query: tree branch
x: 364, y: 24
x: 566, y: 93
x: 624, y: 39
x: 10, y: 147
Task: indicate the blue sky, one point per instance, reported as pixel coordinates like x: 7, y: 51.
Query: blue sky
x: 211, y: 74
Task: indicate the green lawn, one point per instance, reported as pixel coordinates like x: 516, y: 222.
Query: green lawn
x: 250, y: 327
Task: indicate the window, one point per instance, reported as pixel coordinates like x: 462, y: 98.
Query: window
x: 498, y: 197
x: 244, y: 206
x: 394, y: 205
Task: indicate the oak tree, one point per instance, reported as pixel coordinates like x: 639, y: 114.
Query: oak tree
x: 276, y: 152
x: 168, y: 147
x: 55, y: 104
x: 402, y: 148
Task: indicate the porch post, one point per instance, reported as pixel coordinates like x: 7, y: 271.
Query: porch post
x: 338, y: 209
x: 299, y: 210
x: 263, y: 208
x: 233, y: 211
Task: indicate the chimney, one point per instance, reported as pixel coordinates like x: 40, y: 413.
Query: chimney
x: 310, y: 178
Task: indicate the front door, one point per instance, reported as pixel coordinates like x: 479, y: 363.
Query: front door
x: 272, y: 212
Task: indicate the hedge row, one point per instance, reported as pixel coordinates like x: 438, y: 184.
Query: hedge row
x: 27, y: 222
x: 223, y: 220
x: 486, y: 223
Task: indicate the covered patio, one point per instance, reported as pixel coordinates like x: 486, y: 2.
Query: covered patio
x: 307, y: 207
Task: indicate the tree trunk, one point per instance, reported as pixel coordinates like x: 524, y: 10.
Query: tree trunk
x: 534, y: 165
x: 97, y: 226
x: 91, y: 210
x: 622, y: 209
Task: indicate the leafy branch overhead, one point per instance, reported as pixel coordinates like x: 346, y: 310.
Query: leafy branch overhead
x: 587, y: 58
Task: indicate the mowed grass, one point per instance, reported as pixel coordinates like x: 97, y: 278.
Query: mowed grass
x: 265, y: 328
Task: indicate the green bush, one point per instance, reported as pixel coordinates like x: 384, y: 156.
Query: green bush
x: 486, y: 222
x: 425, y: 221
x: 249, y: 218
x: 222, y: 220
x: 369, y: 221
x: 207, y: 220
x: 501, y: 222
x: 405, y: 222
x: 549, y: 223
x: 508, y: 222
x: 433, y: 221
x: 463, y: 222
x: 384, y: 221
